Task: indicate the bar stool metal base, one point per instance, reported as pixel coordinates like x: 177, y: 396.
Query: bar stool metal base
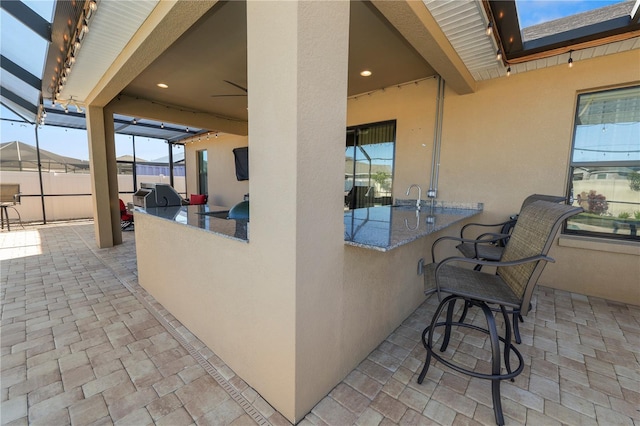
x: 4, y: 216
x: 496, y: 365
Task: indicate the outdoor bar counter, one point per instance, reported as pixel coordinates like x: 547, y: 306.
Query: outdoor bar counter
x: 203, y: 216
x: 209, y: 273
x: 381, y: 228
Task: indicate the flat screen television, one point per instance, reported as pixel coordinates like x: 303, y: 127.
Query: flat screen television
x: 241, y: 156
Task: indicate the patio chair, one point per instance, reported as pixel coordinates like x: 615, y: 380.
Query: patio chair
x: 360, y: 196
x: 9, y: 198
x: 126, y: 218
x: 511, y: 287
x: 197, y: 199
x: 489, y: 245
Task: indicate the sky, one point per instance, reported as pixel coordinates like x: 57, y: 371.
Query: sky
x: 533, y: 12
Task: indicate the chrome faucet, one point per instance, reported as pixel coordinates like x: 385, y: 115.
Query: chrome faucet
x: 419, y: 194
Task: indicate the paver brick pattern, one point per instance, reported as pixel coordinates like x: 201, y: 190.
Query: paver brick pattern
x: 82, y: 343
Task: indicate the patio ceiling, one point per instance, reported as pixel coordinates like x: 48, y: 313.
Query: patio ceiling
x: 205, y: 67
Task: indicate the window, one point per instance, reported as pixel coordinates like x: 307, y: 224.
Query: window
x: 605, y: 164
x: 369, y: 157
x: 202, y: 172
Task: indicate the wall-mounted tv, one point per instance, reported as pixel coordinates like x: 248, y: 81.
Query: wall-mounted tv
x: 242, y: 163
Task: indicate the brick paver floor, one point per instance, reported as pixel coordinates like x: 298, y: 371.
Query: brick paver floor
x: 82, y: 343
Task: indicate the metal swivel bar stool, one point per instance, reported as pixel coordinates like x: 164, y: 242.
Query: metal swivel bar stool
x: 510, y: 288
x: 490, y: 245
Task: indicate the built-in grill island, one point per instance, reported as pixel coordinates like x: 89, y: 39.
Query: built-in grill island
x: 156, y: 195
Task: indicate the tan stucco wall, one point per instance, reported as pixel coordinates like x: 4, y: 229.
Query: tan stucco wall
x: 224, y: 188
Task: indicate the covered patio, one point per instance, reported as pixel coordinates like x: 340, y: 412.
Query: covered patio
x: 287, y: 320
x: 83, y: 343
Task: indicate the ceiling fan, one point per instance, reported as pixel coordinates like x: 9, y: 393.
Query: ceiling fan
x: 244, y: 89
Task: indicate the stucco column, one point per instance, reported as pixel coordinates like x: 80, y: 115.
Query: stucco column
x: 297, y: 78
x: 104, y: 177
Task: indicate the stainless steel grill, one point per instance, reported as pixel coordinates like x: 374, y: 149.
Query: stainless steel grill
x: 156, y: 195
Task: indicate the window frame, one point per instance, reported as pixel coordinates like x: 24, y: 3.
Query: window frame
x: 573, y: 165
x: 355, y: 129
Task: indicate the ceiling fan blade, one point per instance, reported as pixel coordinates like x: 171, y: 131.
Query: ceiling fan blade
x: 224, y: 96
x: 244, y: 89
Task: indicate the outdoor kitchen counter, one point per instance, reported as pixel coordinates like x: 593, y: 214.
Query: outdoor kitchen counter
x: 376, y: 228
x: 207, y: 217
x: 388, y: 227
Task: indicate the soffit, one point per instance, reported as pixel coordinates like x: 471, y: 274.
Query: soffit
x: 111, y: 28
x: 206, y: 68
x: 464, y: 22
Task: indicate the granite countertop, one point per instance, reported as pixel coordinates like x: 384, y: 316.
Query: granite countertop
x: 385, y: 228
x: 377, y: 228
x: 207, y: 217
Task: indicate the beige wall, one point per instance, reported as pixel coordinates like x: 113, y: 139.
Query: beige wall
x: 70, y: 207
x: 224, y: 188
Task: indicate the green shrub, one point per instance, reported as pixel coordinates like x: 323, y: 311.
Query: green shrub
x: 624, y: 215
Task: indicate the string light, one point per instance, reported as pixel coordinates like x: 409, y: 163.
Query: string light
x: 489, y: 30
x: 570, y: 61
x: 509, y: 72
x: 74, y: 40
x: 499, y: 55
x: 383, y: 89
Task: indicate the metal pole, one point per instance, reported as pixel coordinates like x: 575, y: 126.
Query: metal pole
x: 44, y: 214
x: 170, y: 163
x: 134, y: 171
x: 437, y: 141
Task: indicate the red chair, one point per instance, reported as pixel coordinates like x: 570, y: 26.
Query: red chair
x: 196, y: 199
x: 126, y: 218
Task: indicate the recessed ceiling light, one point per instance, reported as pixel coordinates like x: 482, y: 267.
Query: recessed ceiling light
x: 365, y: 73
x: 162, y: 85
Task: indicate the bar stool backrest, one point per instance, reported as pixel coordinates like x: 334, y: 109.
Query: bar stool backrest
x: 10, y: 193
x: 533, y: 235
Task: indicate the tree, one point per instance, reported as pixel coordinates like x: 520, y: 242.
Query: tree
x: 381, y: 178
x: 634, y: 181
x: 593, y: 202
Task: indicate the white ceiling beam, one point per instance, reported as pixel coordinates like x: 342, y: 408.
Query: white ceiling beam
x: 416, y: 24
